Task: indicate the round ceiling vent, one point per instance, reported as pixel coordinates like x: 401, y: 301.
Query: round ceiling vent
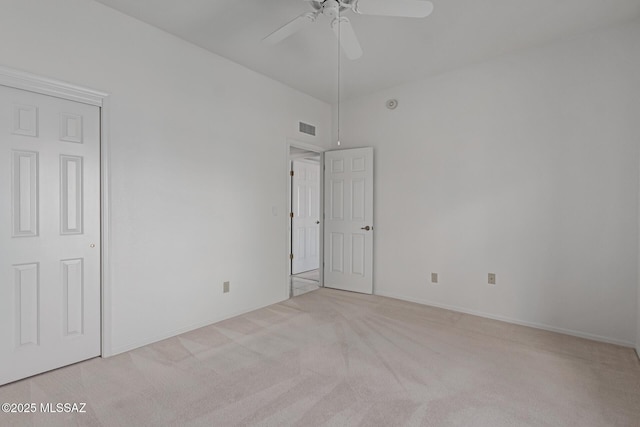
x: 392, y: 104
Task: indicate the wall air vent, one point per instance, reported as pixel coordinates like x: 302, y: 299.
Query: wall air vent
x: 308, y: 129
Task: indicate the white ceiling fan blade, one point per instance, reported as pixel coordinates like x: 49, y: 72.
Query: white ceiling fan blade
x: 405, y: 8
x: 347, y: 37
x: 290, y: 28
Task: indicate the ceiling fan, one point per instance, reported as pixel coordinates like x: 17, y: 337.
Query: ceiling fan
x: 341, y: 25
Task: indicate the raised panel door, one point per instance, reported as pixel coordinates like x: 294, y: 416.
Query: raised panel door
x: 348, y: 226
x: 49, y: 233
x: 306, y: 216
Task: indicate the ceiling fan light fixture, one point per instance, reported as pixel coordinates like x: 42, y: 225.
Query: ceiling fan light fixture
x: 332, y: 9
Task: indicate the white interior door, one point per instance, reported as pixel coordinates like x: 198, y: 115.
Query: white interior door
x: 306, y: 216
x: 49, y: 233
x: 348, y: 223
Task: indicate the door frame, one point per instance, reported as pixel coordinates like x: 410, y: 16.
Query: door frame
x: 23, y: 80
x: 316, y: 149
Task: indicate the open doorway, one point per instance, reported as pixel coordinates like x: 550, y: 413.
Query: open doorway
x: 304, y: 220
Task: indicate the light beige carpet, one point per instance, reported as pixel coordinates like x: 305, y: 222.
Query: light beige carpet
x: 309, y: 275
x: 341, y: 359
x: 299, y: 287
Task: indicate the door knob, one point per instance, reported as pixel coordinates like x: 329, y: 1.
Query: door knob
x: 92, y: 245
x: 365, y: 228
x: 317, y: 222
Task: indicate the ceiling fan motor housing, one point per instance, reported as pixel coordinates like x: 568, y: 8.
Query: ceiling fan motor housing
x: 324, y: 6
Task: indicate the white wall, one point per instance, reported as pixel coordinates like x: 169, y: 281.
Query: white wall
x: 190, y: 209
x: 525, y: 166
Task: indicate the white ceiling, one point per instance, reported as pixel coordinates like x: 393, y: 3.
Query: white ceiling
x: 396, y: 50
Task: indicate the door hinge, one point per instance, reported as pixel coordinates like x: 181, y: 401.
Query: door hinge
x: 291, y: 257
x: 290, y: 214
x: 290, y: 173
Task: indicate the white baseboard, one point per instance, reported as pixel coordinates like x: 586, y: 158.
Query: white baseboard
x: 550, y: 328
x: 175, y: 332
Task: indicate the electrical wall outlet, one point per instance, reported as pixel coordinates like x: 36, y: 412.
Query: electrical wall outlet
x: 434, y: 277
x: 492, y: 278
x: 225, y: 287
